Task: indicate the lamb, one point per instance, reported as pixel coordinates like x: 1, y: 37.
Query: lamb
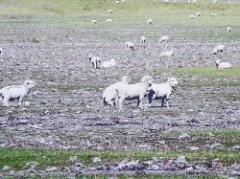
x: 143, y: 39
x: 218, y: 49
x: 109, y: 94
x: 163, y: 91
x: 110, y: 63
x: 133, y: 91
x: 164, y: 38
x: 95, y: 61
x: 149, y: 21
x: 16, y: 92
x: 130, y: 45
x: 223, y: 65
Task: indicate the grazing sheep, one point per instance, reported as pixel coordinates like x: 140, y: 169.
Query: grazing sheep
x: 149, y: 21
x: 218, y: 49
x: 1, y: 52
x: 163, y: 91
x: 94, y: 21
x: 95, y: 61
x: 130, y: 45
x: 215, y: 1
x: 109, y: 93
x: 110, y: 63
x: 16, y: 92
x: 198, y: 14
x: 213, y: 14
x: 223, y: 65
x: 192, y: 16
x: 108, y: 21
x: 133, y: 91
x: 117, y: 2
x: 164, y: 38
x: 166, y: 1
x: 229, y: 29
x: 143, y: 39
x: 110, y: 11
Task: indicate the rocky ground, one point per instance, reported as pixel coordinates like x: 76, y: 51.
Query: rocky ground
x: 66, y: 109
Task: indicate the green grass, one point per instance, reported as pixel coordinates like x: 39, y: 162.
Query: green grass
x: 17, y: 158
x: 210, y: 71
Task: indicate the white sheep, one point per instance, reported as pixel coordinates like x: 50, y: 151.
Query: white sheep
x: 166, y: 1
x: 163, y: 91
x: 94, y: 21
x: 149, y: 21
x: 133, y: 91
x: 117, y: 2
x: 108, y: 20
x: 110, y: 11
x: 218, y: 49
x: 192, y: 16
x: 16, y: 92
x: 229, y: 29
x: 130, y: 45
x: 164, y: 38
x: 198, y: 14
x: 109, y: 63
x: 143, y: 39
x: 213, y: 14
x: 223, y: 65
x: 215, y: 1
x: 1, y: 52
x: 94, y: 60
x: 109, y: 93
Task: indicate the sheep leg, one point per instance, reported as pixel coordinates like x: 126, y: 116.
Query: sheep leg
x: 167, y: 104
x: 20, y: 101
x: 163, y: 99
x: 140, y: 102
x: 5, y: 102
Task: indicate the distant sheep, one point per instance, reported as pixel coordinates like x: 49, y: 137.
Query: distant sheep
x: 229, y: 29
x: 16, y: 92
x: 109, y: 93
x: 94, y: 60
x: 108, y: 64
x: 218, y: 49
x: 110, y: 11
x: 143, y: 39
x: 130, y: 45
x: 198, y: 14
x: 192, y: 16
x: 108, y: 21
x: 213, y: 14
x: 164, y: 38
x: 117, y: 2
x: 94, y: 21
x: 223, y: 65
x: 149, y: 21
x: 163, y: 91
x: 133, y: 91
x: 166, y: 1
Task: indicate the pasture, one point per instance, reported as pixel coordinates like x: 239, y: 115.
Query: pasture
x: 66, y: 128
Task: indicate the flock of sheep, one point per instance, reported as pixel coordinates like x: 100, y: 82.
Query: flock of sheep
x: 115, y: 94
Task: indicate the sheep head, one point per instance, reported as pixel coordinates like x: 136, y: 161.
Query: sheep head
x: 126, y: 79
x: 29, y: 84
x: 173, y: 82
x: 147, y: 80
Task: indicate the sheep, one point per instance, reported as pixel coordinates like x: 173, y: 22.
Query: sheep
x: 94, y: 21
x: 149, y: 21
x: 229, y: 29
x: 218, y: 49
x: 198, y: 14
x: 130, y: 45
x: 1, y: 52
x: 133, y: 91
x: 223, y: 65
x: 166, y: 1
x: 110, y: 11
x: 110, y: 63
x: 109, y: 93
x: 94, y: 60
x: 215, y: 1
x: 162, y: 91
x: 16, y: 92
x: 143, y: 39
x: 164, y: 38
x: 108, y: 21
x: 213, y: 14
x: 117, y: 2
x: 192, y: 16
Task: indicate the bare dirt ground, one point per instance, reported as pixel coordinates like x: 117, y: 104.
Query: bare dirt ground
x: 66, y: 109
